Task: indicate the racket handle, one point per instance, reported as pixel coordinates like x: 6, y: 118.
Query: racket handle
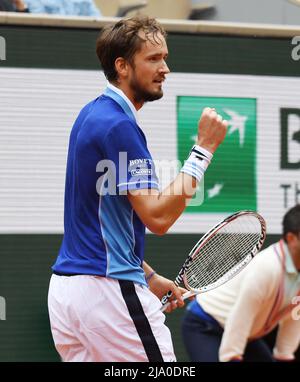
x: 166, y: 297
x: 169, y: 294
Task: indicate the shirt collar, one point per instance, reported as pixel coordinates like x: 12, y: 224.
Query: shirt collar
x: 125, y: 98
x: 289, y: 263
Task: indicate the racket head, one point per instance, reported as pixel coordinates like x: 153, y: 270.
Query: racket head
x: 224, y: 251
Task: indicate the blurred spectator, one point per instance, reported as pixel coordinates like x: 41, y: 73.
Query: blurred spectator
x: 13, y: 6
x: 230, y: 322
x: 5, y: 5
x: 64, y: 7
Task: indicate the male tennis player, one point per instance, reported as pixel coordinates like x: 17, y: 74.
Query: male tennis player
x: 228, y: 323
x: 104, y: 300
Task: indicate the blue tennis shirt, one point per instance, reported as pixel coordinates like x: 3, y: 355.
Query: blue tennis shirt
x: 107, y: 156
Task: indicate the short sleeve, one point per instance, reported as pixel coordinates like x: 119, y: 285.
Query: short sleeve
x: 125, y: 145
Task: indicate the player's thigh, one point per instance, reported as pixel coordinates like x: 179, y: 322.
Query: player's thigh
x: 151, y: 307
x: 108, y: 327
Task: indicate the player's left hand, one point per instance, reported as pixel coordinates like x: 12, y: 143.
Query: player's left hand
x: 160, y: 285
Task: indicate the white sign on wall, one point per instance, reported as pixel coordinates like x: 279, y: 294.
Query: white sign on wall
x: 38, y: 108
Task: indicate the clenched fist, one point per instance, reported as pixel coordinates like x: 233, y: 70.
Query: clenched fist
x: 211, y: 130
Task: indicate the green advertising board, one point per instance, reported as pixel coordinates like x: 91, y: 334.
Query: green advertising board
x: 230, y: 183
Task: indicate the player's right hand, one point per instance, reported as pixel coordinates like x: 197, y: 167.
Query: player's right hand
x: 211, y: 130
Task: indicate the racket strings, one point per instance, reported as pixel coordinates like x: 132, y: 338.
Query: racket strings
x: 223, y: 251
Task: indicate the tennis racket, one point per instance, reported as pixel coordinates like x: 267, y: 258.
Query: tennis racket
x: 221, y: 254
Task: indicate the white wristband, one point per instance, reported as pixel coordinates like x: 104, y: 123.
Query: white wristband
x: 203, y: 153
x: 197, y: 162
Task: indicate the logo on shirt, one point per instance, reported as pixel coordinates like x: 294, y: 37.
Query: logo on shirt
x: 140, y: 167
x: 125, y: 174
x: 230, y: 182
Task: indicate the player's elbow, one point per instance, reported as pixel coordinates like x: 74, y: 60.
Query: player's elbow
x: 158, y: 227
x: 160, y: 231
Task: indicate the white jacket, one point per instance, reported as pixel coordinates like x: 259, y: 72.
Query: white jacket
x: 255, y: 301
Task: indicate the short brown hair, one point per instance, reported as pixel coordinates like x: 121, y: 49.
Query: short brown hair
x: 291, y: 221
x: 123, y: 40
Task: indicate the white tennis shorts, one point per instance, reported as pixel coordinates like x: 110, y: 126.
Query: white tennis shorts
x: 99, y: 319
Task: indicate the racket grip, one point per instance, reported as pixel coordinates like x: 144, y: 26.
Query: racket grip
x: 166, y: 297
x: 184, y: 296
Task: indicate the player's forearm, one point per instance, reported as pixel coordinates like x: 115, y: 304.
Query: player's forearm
x: 173, y: 200
x: 147, y: 269
x: 159, y: 211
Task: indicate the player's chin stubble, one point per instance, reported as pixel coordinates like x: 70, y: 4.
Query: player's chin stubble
x: 143, y: 95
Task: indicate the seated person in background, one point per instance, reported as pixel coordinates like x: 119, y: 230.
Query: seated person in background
x: 13, y: 6
x: 6, y: 6
x: 64, y: 7
x: 228, y: 323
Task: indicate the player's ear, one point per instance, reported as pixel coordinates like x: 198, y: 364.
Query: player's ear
x: 121, y: 66
x: 290, y: 237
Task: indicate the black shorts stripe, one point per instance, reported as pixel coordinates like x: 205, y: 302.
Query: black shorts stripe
x: 140, y: 321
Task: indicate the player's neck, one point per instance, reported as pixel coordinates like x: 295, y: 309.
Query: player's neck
x: 129, y: 94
